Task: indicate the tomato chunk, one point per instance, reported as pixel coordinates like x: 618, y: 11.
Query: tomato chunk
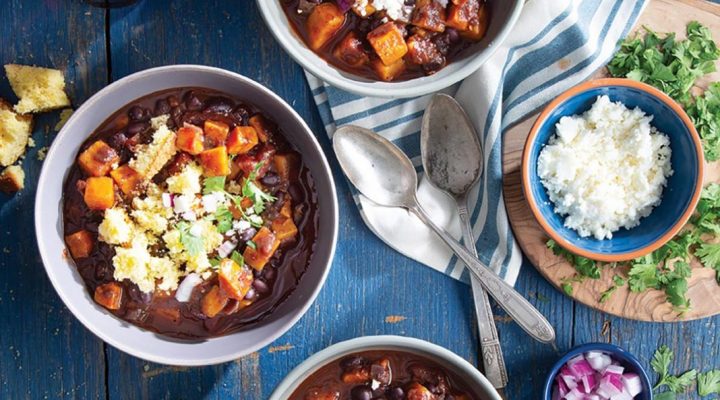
x: 80, y: 243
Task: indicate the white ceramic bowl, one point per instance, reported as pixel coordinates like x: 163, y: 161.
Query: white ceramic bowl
x: 444, y: 357
x: 504, y: 14
x: 62, y: 271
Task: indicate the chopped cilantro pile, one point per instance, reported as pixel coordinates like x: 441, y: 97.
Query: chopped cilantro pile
x: 674, y: 66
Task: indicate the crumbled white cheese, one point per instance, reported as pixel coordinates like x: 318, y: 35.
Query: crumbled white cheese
x: 210, y: 202
x: 116, y: 227
x: 395, y: 9
x: 183, y: 203
x: 605, y: 169
x: 241, y: 225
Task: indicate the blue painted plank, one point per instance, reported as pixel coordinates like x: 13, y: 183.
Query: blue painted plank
x: 44, y: 351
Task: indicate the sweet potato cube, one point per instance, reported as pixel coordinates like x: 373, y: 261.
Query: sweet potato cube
x: 284, y: 228
x: 357, y: 375
x: 350, y: 51
x: 461, y: 13
x: 423, y: 51
x: 430, y: 15
x: 98, y: 159
x: 99, y: 193
x: 80, y: 243
x: 190, y: 139
x: 216, y: 133
x: 214, y: 302
x: 388, y: 72
x: 388, y: 42
x: 286, y: 165
x: 109, y: 295
x: 417, y: 391
x: 242, y: 139
x: 477, y: 27
x: 215, y: 162
x: 126, y: 178
x: 235, y: 280
x: 263, y: 127
x: 286, y: 209
x: 322, y: 24
x: 265, y: 245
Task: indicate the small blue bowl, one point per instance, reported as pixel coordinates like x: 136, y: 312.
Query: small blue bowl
x: 679, y: 198
x: 619, y: 354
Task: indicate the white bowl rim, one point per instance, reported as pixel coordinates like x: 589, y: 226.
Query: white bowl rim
x: 297, y: 376
x: 85, y: 319
x: 415, y: 87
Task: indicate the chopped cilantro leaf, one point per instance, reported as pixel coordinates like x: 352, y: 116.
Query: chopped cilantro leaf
x: 254, y: 193
x: 251, y: 245
x: 606, y: 294
x: 224, y: 218
x: 214, y: 184
x: 215, y: 261
x: 709, y: 382
x: 192, y: 244
x: 238, y: 258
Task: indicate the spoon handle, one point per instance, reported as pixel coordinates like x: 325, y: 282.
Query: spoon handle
x: 524, y: 313
x: 493, y: 359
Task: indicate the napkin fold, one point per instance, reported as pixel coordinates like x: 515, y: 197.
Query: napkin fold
x: 555, y: 45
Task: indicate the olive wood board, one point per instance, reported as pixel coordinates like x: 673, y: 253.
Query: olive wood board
x: 651, y: 305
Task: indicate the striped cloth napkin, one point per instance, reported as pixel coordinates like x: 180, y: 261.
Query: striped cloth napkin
x: 555, y: 45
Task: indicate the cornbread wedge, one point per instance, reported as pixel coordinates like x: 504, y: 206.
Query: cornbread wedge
x: 12, y: 179
x: 39, y: 89
x: 15, y: 131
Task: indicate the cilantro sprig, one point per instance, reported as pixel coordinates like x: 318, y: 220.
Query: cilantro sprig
x: 661, y: 365
x: 709, y: 382
x: 194, y: 245
x: 252, y: 191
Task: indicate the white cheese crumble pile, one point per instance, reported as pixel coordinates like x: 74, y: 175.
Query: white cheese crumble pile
x: 605, y: 169
x: 396, y: 10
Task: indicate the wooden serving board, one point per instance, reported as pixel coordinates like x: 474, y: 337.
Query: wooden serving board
x: 704, y: 292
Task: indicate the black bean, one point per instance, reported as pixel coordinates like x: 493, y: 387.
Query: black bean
x: 137, y: 127
x: 251, y: 294
x: 219, y: 105
x: 396, y: 393
x: 269, y: 273
x: 352, y: 362
x: 241, y: 115
x: 173, y: 101
x: 162, y: 107
x: 260, y: 286
x: 136, y: 113
x: 117, y: 141
x: 192, y: 102
x: 270, y: 179
x: 361, y: 393
x: 247, y: 234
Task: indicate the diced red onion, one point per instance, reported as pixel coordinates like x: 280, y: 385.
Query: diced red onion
x: 184, y: 290
x: 344, y: 5
x: 226, y: 248
x: 632, y: 383
x: 595, y: 376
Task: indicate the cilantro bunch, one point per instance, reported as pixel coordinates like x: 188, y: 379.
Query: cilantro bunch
x: 674, y: 67
x: 707, y: 382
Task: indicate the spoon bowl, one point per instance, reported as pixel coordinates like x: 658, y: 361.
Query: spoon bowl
x: 375, y: 166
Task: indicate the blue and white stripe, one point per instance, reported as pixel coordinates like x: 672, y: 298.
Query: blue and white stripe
x: 555, y: 45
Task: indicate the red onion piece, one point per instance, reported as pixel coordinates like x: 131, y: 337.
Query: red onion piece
x: 345, y: 5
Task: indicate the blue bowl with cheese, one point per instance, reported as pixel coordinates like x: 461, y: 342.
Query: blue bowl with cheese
x: 571, y: 221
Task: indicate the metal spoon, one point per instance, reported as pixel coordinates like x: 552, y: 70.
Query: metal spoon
x: 453, y: 161
x: 384, y: 174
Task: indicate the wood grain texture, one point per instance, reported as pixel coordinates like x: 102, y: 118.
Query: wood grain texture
x: 46, y: 353
x: 703, y: 292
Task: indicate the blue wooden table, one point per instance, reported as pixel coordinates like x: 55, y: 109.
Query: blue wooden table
x: 45, y: 353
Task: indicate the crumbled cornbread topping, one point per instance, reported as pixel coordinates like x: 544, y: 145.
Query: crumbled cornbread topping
x: 150, y: 158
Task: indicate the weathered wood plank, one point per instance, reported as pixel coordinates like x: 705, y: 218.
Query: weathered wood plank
x: 44, y: 351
